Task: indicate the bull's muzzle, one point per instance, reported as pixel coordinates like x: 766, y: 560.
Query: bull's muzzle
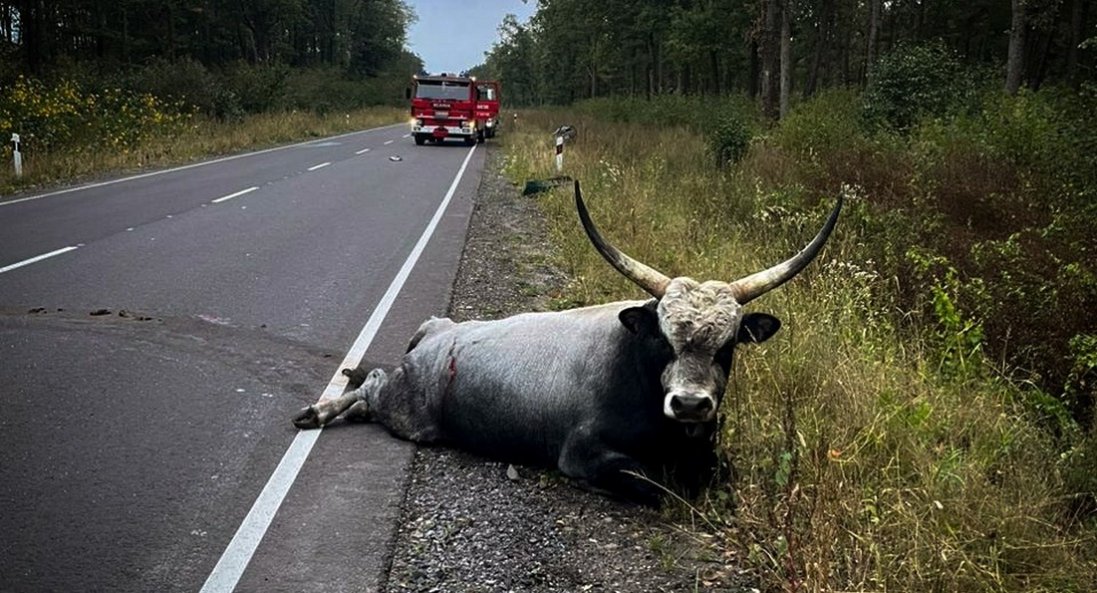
x: 689, y: 406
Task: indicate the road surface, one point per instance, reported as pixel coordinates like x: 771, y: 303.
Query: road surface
x: 158, y: 332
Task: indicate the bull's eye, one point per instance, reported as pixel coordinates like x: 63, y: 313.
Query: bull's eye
x: 723, y: 355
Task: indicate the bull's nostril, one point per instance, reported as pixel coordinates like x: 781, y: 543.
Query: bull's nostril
x: 705, y: 405
x: 676, y: 404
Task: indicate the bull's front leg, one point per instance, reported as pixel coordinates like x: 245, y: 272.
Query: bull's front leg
x: 323, y: 411
x: 606, y: 470
x: 354, y: 403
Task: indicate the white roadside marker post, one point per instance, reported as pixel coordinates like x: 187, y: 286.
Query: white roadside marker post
x: 18, y: 156
x: 559, y: 153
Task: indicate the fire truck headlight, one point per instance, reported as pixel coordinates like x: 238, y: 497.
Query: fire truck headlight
x: 490, y: 123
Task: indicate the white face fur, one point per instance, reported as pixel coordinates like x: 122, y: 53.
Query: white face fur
x: 698, y: 319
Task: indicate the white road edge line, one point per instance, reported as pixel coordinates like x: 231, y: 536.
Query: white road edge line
x: 320, y: 166
x: 236, y: 195
x: 36, y: 258
x: 363, y: 151
x: 193, y: 165
x: 234, y: 560
x: 389, y: 142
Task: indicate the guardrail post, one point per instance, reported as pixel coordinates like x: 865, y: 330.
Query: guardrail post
x: 559, y: 153
x: 18, y: 156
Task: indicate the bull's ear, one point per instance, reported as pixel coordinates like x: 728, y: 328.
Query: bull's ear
x: 640, y: 320
x: 757, y: 328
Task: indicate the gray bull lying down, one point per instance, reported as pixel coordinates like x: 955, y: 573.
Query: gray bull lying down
x: 604, y: 393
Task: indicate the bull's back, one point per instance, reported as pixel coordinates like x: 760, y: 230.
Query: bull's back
x: 516, y: 388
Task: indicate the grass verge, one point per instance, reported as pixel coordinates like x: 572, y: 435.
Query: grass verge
x: 200, y: 138
x: 861, y: 461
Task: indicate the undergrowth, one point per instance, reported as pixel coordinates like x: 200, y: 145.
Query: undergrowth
x: 69, y: 132
x: 886, y: 439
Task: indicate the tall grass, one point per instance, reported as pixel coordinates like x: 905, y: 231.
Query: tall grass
x: 197, y: 138
x: 862, y: 461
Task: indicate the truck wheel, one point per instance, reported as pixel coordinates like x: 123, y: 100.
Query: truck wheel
x: 480, y: 137
x: 420, y: 139
x: 470, y: 140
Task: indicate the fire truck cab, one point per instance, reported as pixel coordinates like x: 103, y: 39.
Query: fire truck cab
x: 447, y: 106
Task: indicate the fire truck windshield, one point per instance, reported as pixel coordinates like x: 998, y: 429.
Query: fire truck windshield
x: 441, y: 90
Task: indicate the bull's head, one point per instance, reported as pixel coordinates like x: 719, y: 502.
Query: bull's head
x: 701, y: 322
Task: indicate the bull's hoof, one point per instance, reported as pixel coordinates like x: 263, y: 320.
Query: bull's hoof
x: 355, y: 377
x: 307, y: 418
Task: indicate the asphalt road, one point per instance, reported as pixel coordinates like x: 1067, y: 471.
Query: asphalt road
x: 150, y: 364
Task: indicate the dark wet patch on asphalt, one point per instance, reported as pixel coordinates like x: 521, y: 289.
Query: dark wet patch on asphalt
x: 290, y: 367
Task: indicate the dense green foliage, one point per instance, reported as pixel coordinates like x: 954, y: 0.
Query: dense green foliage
x: 576, y: 49
x: 223, y: 58
x: 923, y: 422
x: 79, y: 77
x: 915, y: 81
x: 363, y: 36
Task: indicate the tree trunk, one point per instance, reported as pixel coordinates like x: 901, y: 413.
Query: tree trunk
x: 755, y: 69
x: 32, y: 38
x: 786, y: 55
x: 822, y: 43
x: 1015, y: 62
x: 651, y: 66
x: 873, y: 36
x: 125, y: 34
x: 769, y: 49
x: 5, y: 23
x: 714, y: 64
x: 1077, y: 25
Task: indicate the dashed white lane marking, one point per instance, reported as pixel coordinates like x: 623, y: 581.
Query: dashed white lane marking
x: 236, y: 195
x: 320, y: 166
x: 238, y: 554
x: 37, y: 258
x: 406, y: 136
x: 363, y: 151
x: 389, y: 142
x: 190, y: 166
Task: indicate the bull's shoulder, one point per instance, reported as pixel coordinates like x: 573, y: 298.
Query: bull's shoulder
x: 431, y: 326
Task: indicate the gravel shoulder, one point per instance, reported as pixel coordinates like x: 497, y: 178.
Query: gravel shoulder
x: 472, y: 524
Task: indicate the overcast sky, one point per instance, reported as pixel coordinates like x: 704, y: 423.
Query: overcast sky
x: 452, y: 35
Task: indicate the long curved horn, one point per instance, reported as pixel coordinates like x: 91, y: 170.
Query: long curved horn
x: 753, y: 286
x: 651, y: 280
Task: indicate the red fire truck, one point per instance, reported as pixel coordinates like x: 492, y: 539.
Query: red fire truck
x: 446, y: 106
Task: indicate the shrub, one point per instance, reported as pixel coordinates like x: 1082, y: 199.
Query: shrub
x: 694, y: 112
x: 913, y: 81
x: 257, y: 88
x: 65, y: 115
x: 325, y: 89
x: 186, y: 81
x: 729, y: 139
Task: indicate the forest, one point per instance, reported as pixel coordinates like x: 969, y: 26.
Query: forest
x: 771, y: 49
x: 223, y: 58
